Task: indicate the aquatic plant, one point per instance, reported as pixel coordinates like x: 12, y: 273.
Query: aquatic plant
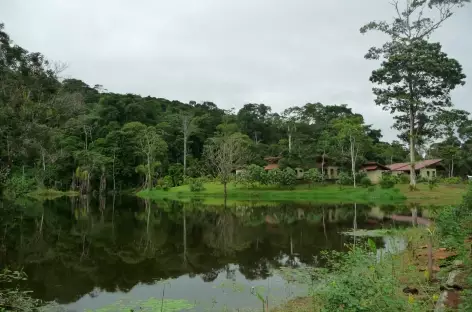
x: 150, y: 305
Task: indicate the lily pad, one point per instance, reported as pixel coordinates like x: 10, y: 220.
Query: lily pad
x: 149, y: 305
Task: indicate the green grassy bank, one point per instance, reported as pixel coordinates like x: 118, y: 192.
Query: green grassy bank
x: 325, y: 194
x: 51, y: 193
x: 443, y: 194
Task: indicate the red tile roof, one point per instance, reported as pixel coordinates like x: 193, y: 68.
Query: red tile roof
x: 397, y: 166
x: 419, y: 165
x: 271, y: 166
x: 372, y: 165
x: 426, y: 163
x: 370, y: 168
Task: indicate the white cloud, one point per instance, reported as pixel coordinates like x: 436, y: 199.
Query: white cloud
x: 281, y: 53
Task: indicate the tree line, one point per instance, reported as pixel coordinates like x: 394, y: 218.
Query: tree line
x: 65, y: 134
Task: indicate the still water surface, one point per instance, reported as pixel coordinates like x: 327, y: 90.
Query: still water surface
x: 86, y: 253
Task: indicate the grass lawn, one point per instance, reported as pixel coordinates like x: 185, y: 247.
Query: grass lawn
x: 443, y: 194
x: 323, y: 194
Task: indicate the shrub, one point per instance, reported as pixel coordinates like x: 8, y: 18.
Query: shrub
x: 167, y: 183
x: 242, y: 178
x: 387, y: 181
x: 344, y: 179
x: 432, y: 183
x: 196, y: 185
x: 403, y: 179
x: 274, y: 176
x: 256, y: 174
x: 176, y: 174
x: 356, y: 281
x: 18, y: 185
x: 365, y: 181
x: 289, y: 178
x: 452, y: 180
x: 314, y: 176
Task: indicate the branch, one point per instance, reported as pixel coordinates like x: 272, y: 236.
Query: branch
x: 420, y: 15
x: 444, y: 13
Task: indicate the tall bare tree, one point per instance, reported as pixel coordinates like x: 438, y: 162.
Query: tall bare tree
x: 351, y: 133
x: 188, y: 127
x: 227, y: 153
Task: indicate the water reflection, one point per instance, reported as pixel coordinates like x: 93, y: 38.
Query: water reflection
x: 88, y: 252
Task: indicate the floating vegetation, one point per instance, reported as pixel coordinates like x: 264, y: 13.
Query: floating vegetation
x: 149, y: 305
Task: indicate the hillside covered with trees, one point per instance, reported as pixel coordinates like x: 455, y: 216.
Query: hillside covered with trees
x: 68, y: 135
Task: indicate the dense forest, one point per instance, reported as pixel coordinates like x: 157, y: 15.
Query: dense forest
x: 65, y: 134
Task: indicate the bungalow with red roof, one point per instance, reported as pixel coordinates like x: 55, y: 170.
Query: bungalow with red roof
x: 426, y: 169
x: 272, y: 163
x: 374, y: 170
x: 331, y: 172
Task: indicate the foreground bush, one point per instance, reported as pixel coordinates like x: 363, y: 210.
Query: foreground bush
x: 288, y: 178
x: 452, y: 180
x: 357, y: 281
x: 365, y: 182
x: 403, y: 179
x: 255, y: 175
x: 360, y: 283
x: 388, y: 181
x: 314, y: 176
x: 344, y: 179
x: 453, y: 225
x: 196, y: 185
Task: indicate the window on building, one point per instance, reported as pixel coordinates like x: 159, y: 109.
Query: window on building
x: 427, y: 173
x: 331, y: 172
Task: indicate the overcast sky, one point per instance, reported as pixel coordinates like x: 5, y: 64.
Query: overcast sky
x: 277, y: 52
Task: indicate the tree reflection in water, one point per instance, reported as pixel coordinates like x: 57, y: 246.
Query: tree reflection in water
x: 112, y: 245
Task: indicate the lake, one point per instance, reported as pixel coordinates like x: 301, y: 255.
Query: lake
x: 88, y: 254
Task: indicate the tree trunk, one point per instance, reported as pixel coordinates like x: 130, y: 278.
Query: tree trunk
x: 43, y: 157
x: 185, y: 154
x: 149, y: 182
x: 412, y: 150
x: 42, y: 222
x: 114, y: 182
x: 73, y: 183
x: 322, y: 164
x: 86, y: 138
x: 291, y: 244
x: 452, y: 167
x: 226, y: 191
x: 103, y: 182
x: 353, y: 162
x: 289, y: 141
x: 88, y: 182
